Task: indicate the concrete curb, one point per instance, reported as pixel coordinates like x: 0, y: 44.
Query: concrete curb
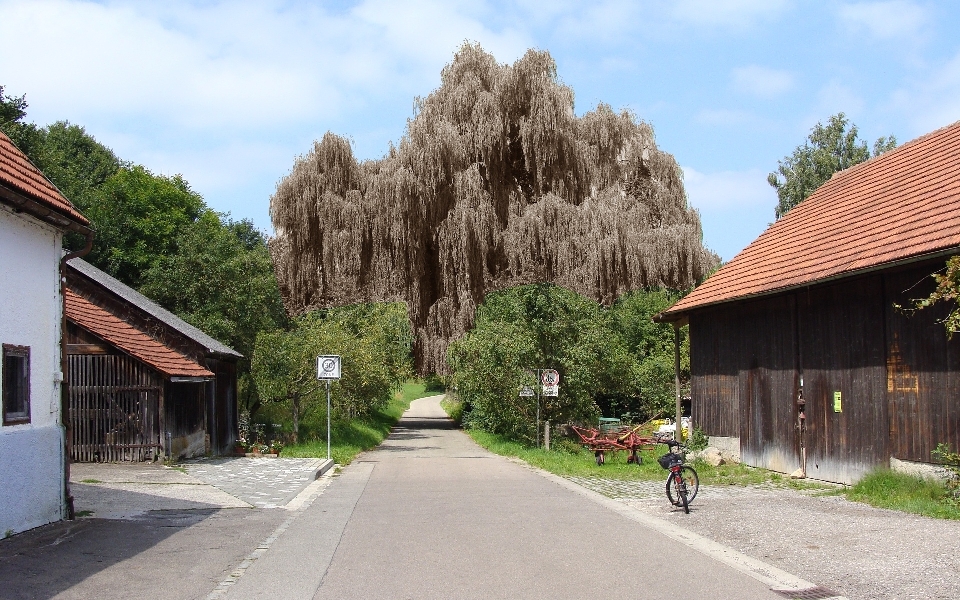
x: 325, y: 465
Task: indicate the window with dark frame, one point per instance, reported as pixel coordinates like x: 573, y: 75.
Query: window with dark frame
x: 16, y: 384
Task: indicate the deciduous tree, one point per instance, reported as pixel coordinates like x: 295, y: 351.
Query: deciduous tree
x: 828, y: 149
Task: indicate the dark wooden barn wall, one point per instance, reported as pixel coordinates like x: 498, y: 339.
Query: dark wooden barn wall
x: 222, y: 406
x: 842, y: 349
x: 923, y: 370
x: 114, y: 409
x: 744, y: 379
x: 897, y: 373
x: 715, y: 349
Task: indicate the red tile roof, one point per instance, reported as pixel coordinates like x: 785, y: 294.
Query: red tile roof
x: 127, y: 338
x: 17, y: 172
x: 902, y: 204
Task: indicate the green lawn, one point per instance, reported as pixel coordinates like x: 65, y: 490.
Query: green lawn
x: 883, y: 489
x: 907, y: 493
x: 349, y: 438
x: 569, y: 459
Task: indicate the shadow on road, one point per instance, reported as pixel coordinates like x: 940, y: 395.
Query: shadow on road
x: 413, y: 423
x: 49, y: 560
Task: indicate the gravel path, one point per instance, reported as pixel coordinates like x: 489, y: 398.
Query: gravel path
x: 860, y: 551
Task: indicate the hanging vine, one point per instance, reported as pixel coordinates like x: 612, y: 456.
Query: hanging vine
x: 495, y: 183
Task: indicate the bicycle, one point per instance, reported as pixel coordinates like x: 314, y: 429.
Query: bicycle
x: 682, y: 482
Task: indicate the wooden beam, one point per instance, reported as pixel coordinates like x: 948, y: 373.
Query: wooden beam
x: 87, y: 349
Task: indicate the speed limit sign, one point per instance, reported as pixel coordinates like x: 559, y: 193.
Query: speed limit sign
x: 328, y: 367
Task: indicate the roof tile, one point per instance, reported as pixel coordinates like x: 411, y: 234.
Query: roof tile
x: 901, y: 204
x: 127, y: 338
x: 17, y: 172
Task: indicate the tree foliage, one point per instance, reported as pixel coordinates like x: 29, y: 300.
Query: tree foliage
x: 828, y: 149
x: 373, y: 342
x: 947, y: 291
x: 219, y: 278
x: 495, y: 183
x: 610, y: 361
x: 156, y: 234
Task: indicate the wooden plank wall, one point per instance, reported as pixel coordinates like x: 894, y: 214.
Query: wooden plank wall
x: 897, y: 373
x: 114, y: 409
x: 842, y: 349
x: 715, y: 374
x: 768, y: 383
x: 222, y: 406
x: 923, y: 370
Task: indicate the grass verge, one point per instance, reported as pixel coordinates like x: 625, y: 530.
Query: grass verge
x: 350, y: 438
x: 906, y: 493
x: 571, y: 460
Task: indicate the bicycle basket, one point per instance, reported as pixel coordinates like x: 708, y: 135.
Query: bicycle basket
x: 670, y: 460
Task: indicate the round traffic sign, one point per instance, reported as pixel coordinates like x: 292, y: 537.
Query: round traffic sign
x: 550, y: 377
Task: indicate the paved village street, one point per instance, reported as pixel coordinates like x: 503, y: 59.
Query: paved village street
x: 429, y: 514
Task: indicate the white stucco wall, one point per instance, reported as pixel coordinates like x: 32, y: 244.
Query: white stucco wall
x: 31, y: 454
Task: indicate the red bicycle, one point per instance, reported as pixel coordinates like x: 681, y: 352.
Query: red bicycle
x: 682, y: 482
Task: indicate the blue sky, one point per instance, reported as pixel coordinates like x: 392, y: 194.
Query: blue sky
x: 229, y: 93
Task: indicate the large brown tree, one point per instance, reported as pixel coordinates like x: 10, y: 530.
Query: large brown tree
x: 495, y: 183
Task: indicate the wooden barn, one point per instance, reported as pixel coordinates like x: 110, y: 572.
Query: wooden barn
x: 143, y: 382
x: 800, y: 357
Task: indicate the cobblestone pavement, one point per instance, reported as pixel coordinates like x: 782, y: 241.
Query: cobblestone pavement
x: 261, y: 482
x: 853, y: 548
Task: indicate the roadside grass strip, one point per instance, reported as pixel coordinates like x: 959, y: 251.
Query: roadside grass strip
x: 351, y: 437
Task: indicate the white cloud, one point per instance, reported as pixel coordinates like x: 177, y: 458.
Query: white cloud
x: 885, y: 20
x: 253, y: 65
x: 728, y: 189
x: 762, y: 81
x: 738, y: 13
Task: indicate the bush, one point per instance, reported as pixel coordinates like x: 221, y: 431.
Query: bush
x: 950, y: 460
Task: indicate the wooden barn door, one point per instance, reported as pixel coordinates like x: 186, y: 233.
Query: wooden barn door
x: 769, y: 437
x: 114, y: 409
x: 842, y: 349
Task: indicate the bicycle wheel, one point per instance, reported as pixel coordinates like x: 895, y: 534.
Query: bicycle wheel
x: 690, y: 481
x: 677, y: 491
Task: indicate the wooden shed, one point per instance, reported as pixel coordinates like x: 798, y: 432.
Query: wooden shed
x: 144, y: 383
x: 800, y: 357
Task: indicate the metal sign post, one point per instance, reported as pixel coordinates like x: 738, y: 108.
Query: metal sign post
x: 549, y: 386
x: 328, y: 368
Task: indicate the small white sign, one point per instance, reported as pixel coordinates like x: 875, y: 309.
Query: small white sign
x: 328, y: 367
x: 551, y: 390
x: 526, y: 392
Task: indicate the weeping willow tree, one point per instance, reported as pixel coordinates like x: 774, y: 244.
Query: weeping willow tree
x: 495, y: 183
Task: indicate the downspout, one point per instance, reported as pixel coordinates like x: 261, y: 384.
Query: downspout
x: 64, y: 381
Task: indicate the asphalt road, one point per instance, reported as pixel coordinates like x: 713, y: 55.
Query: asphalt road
x: 430, y: 514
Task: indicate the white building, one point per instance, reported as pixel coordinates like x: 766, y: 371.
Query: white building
x: 34, y: 215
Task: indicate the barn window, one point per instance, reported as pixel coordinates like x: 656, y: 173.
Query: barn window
x: 16, y: 384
